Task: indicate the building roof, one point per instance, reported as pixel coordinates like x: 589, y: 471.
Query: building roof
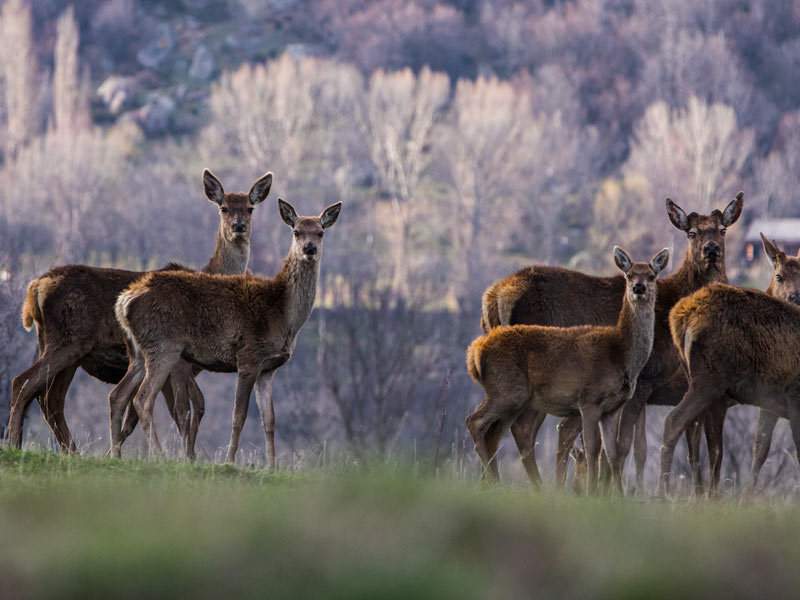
x: 780, y: 230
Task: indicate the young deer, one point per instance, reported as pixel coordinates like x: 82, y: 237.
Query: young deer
x: 243, y: 324
x: 553, y: 296
x: 736, y: 344
x: 73, y: 309
x: 784, y: 285
x: 586, y: 370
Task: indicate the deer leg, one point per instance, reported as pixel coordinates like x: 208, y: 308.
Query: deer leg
x: 486, y: 428
x: 53, y: 408
x: 697, y: 399
x: 609, y: 425
x: 120, y: 404
x: 244, y: 385
x: 568, y: 430
x: 524, y: 430
x: 184, y: 392
x: 176, y: 397
x: 157, y: 369
x: 32, y: 383
x: 714, y: 423
x: 794, y: 422
x: 693, y: 434
x: 640, y: 449
x: 198, y: 403
x: 627, y: 424
x: 762, y: 440
x: 591, y: 444
x: 267, y: 413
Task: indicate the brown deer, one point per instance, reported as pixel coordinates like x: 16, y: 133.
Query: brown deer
x: 73, y: 309
x: 586, y: 370
x: 243, y: 324
x: 553, y: 296
x: 739, y: 345
x: 784, y: 285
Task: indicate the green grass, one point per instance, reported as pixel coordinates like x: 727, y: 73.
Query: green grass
x: 83, y: 528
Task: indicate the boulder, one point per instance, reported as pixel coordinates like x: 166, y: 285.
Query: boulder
x: 157, y: 47
x: 155, y: 116
x: 117, y: 93
x: 203, y: 64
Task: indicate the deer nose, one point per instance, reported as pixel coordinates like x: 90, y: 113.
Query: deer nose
x: 638, y: 288
x: 239, y: 227
x: 310, y: 249
x: 711, y: 250
x: 794, y: 298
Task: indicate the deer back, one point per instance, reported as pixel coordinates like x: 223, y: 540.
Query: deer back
x: 763, y: 331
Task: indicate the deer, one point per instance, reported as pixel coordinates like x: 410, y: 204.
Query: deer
x: 590, y: 370
x: 784, y: 285
x: 558, y: 297
x: 72, y: 307
x: 737, y: 345
x: 243, y: 324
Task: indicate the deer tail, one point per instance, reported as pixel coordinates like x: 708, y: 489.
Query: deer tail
x: 122, y: 309
x: 490, y: 314
x: 32, y: 305
x: 475, y: 357
x: 679, y: 325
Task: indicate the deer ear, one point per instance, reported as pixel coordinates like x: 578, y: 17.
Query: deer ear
x: 660, y: 260
x: 677, y: 216
x: 622, y: 259
x: 731, y: 213
x: 771, y: 249
x: 212, y: 187
x: 288, y: 213
x: 260, y: 190
x: 329, y: 215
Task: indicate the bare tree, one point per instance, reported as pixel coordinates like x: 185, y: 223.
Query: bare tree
x: 70, y: 94
x: 265, y: 111
x: 778, y: 173
x: 696, y: 155
x: 18, y: 68
x: 401, y: 112
x: 65, y: 178
x: 378, y: 355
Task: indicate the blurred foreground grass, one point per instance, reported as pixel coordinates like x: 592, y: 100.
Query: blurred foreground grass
x: 91, y: 528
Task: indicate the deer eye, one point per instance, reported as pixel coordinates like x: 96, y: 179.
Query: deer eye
x: 296, y: 233
x: 250, y: 210
x: 319, y: 234
x: 723, y: 231
x: 779, y: 277
x: 223, y: 209
x: 691, y: 235
x: 651, y: 278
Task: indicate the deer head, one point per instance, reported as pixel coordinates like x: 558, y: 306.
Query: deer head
x: 235, y: 210
x: 706, y: 233
x: 785, y: 284
x: 640, y: 277
x: 308, y: 231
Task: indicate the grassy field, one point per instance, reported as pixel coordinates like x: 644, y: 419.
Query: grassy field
x: 94, y: 528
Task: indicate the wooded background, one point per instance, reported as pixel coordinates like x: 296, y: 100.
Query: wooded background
x: 466, y: 139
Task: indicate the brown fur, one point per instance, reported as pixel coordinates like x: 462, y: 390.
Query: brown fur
x: 784, y: 285
x: 738, y: 344
x: 554, y: 296
x: 244, y: 323
x: 73, y: 308
x: 586, y: 370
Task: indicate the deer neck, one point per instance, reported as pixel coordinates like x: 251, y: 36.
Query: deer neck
x: 230, y: 257
x: 693, y: 275
x: 299, y: 277
x: 637, y: 326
